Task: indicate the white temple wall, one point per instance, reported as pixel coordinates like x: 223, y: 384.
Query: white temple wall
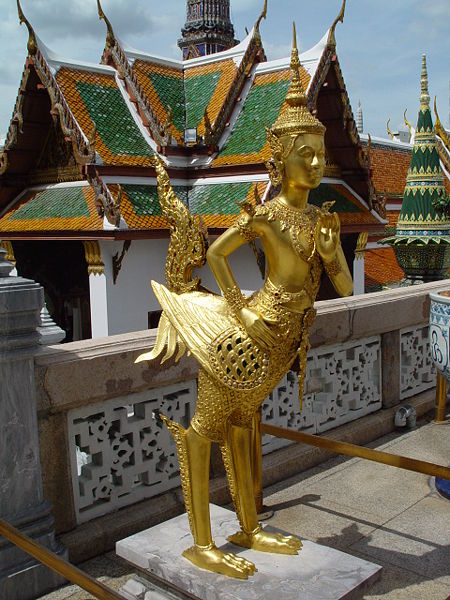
x: 123, y: 307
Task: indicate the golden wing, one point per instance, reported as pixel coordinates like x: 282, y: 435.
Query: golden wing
x: 188, y: 236
x: 189, y: 321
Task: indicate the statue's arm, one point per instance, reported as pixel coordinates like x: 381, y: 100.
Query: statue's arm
x: 217, y: 257
x: 328, y: 244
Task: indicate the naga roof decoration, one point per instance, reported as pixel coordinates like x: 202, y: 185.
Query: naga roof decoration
x: 113, y: 117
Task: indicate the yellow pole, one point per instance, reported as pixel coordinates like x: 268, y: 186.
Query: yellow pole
x: 54, y: 562
x: 441, y: 399
x: 256, y: 459
x: 393, y: 460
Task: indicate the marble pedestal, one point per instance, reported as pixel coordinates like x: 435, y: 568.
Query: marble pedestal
x: 316, y: 573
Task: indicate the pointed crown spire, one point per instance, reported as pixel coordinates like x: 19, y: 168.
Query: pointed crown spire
x: 296, y: 119
x: 424, y: 95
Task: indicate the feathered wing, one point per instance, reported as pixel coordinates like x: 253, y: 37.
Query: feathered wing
x: 189, y: 321
x: 187, y: 250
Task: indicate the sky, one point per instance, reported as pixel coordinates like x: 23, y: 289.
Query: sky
x: 379, y: 45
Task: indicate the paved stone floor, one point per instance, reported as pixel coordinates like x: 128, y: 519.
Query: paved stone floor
x: 389, y: 516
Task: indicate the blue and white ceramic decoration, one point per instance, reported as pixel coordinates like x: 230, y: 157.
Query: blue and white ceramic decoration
x: 439, y: 332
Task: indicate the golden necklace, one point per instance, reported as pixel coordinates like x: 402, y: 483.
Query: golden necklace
x: 298, y: 221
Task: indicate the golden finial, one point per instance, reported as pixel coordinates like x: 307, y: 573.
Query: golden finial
x: 296, y: 119
x: 389, y: 129
x: 339, y: 19
x: 424, y: 95
x: 110, y: 37
x: 407, y: 123
x: 262, y: 16
x: 32, y: 45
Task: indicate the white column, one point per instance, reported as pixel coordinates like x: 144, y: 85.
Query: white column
x: 358, y: 275
x: 99, y: 305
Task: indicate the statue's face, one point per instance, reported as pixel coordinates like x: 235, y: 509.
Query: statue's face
x: 305, y: 164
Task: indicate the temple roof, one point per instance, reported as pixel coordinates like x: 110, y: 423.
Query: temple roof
x: 99, y: 123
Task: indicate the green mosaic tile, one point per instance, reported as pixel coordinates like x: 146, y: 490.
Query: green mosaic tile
x: 54, y: 203
x: 199, y: 91
x: 261, y: 109
x: 171, y: 93
x: 113, y: 120
x: 145, y: 201
x: 424, y: 121
x: 326, y: 193
x: 218, y: 199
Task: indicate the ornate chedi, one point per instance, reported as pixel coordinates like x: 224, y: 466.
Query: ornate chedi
x: 422, y: 239
x: 208, y: 28
x: 245, y: 345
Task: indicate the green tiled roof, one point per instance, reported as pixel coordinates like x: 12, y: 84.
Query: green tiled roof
x: 261, y: 109
x: 54, y: 203
x: 171, y: 93
x: 325, y: 193
x: 199, y: 91
x: 113, y: 120
x: 145, y: 201
x: 218, y: 199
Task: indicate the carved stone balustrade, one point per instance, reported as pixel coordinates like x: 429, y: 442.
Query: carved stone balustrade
x: 103, y: 450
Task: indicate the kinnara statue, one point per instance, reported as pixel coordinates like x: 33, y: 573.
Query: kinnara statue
x: 246, y: 345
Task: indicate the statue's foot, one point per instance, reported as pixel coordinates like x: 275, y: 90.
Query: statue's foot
x: 213, y: 559
x: 265, y: 541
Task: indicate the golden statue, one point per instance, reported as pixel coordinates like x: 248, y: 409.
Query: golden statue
x: 246, y: 345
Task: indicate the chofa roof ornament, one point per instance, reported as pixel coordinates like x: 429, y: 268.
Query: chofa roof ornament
x: 32, y: 42
x: 110, y: 37
x: 339, y: 19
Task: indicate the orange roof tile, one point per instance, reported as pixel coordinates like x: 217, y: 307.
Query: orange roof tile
x: 390, y: 168
x: 381, y: 267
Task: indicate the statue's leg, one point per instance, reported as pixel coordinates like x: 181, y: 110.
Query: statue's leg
x: 194, y: 451
x: 238, y: 466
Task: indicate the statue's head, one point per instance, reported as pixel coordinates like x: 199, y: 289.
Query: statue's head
x: 297, y: 138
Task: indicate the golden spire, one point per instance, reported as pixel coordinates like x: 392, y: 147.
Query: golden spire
x: 424, y: 95
x: 296, y: 118
x: 110, y: 37
x: 339, y: 19
x: 32, y: 45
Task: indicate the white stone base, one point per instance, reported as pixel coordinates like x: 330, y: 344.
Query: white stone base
x: 316, y: 573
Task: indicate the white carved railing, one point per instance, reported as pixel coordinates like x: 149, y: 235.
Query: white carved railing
x: 119, y: 454
x: 417, y: 370
x: 96, y: 406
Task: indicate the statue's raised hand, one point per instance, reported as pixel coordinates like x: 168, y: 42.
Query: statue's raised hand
x: 327, y: 236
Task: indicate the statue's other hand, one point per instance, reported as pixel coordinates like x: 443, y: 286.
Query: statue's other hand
x: 256, y: 327
x: 327, y: 236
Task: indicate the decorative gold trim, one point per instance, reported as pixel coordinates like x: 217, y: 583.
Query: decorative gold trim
x: 93, y: 256
x: 361, y: 245
x: 9, y: 252
x: 235, y: 299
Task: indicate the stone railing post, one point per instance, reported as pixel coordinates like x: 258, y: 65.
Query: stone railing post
x: 22, y: 503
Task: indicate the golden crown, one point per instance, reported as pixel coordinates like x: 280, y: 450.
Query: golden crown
x: 296, y: 118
